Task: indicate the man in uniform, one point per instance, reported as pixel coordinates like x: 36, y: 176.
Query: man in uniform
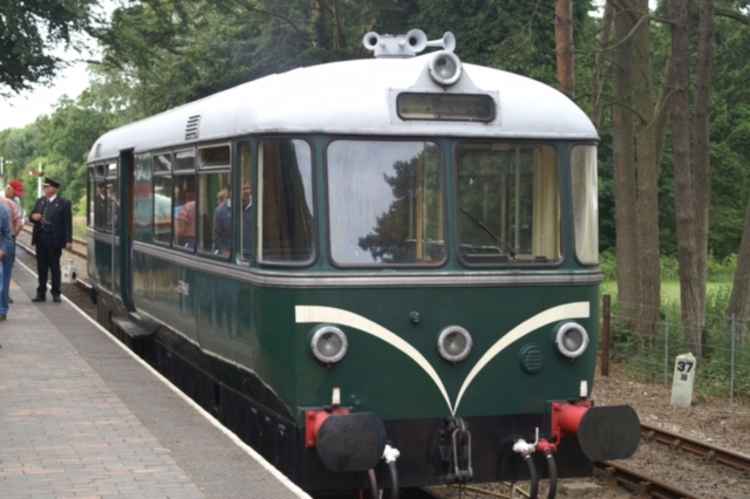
x: 53, y: 231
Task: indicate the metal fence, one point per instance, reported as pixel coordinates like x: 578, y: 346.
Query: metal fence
x: 724, y: 369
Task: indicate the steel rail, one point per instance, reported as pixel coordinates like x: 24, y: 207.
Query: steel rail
x: 79, y: 253
x: 639, y: 484
x: 79, y: 282
x: 710, y: 453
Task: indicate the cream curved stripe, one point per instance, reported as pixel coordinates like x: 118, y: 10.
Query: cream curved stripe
x: 332, y: 315
x: 576, y: 310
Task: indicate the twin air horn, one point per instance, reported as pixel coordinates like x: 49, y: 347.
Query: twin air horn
x: 445, y: 67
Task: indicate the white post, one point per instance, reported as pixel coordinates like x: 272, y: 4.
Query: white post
x: 684, y: 380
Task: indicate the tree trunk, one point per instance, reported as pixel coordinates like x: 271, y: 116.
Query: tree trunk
x: 600, y: 75
x: 564, y: 49
x: 320, y: 24
x: 683, y: 177
x: 628, y: 268
x: 647, y: 174
x: 739, y: 302
x: 701, y: 153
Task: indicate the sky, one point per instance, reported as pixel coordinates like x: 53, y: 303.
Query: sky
x: 21, y: 109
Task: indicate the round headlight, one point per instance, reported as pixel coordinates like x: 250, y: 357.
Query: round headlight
x: 454, y: 343
x: 572, y: 340
x: 329, y: 344
x: 445, y: 68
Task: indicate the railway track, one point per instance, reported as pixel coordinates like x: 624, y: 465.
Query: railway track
x: 707, y: 452
x: 80, y: 247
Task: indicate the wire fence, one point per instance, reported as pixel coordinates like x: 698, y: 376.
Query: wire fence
x: 723, y: 370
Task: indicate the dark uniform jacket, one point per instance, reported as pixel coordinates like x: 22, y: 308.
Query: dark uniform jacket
x: 55, y: 229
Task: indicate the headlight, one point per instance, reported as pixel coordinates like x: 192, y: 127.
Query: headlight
x: 572, y: 340
x: 454, y: 343
x: 445, y: 68
x: 329, y: 344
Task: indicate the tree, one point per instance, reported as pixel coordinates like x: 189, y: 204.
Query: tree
x: 685, y: 187
x: 564, y: 47
x: 30, y: 30
x: 739, y: 302
x: 640, y: 121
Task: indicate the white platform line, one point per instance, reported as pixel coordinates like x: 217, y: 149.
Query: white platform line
x: 281, y: 477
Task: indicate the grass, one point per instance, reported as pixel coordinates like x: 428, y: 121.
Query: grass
x: 670, y: 290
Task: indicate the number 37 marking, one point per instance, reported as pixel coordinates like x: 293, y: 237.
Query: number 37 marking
x: 685, y: 366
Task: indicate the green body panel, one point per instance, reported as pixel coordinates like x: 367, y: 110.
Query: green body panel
x: 101, y: 265
x: 255, y: 327
x: 375, y: 376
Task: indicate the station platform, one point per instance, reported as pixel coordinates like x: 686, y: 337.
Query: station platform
x: 81, y: 416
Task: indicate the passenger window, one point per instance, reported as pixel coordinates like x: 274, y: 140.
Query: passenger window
x: 91, y: 190
x: 246, y: 202
x: 184, y: 212
x: 216, y: 230
x: 113, y: 205
x: 286, y: 210
x: 143, y: 199
x: 163, y: 198
x: 100, y: 206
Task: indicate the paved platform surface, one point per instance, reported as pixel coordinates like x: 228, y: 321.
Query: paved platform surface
x: 79, y: 417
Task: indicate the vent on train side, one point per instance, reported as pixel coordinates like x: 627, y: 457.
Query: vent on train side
x: 192, y: 129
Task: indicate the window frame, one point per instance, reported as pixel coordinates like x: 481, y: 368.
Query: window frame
x: 199, y: 225
x: 252, y: 142
x: 574, y: 243
x: 199, y: 159
x: 257, y: 152
x: 439, y: 142
x: 162, y: 174
x: 442, y: 119
x: 184, y: 173
x: 101, y: 176
x: 90, y: 180
x: 561, y: 183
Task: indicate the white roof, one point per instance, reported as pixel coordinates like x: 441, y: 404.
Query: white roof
x: 355, y: 97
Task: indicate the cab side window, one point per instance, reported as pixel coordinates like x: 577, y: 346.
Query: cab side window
x: 101, y: 199
x: 286, y: 216
x: 247, y: 235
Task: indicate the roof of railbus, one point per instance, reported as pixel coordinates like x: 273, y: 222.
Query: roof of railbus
x: 353, y: 97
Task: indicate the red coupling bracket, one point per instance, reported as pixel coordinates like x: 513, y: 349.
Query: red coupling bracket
x: 314, y: 421
x: 566, y: 418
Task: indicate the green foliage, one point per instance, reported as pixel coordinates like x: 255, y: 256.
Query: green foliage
x: 29, y: 31
x: 652, y: 359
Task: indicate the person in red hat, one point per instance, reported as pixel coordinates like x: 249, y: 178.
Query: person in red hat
x: 17, y: 186
x: 13, y: 204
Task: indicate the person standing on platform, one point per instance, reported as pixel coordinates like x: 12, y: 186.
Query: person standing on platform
x: 12, y: 190
x: 5, y: 239
x: 18, y: 194
x: 53, y: 230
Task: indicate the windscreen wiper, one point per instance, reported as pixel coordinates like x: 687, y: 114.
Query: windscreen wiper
x: 481, y: 224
